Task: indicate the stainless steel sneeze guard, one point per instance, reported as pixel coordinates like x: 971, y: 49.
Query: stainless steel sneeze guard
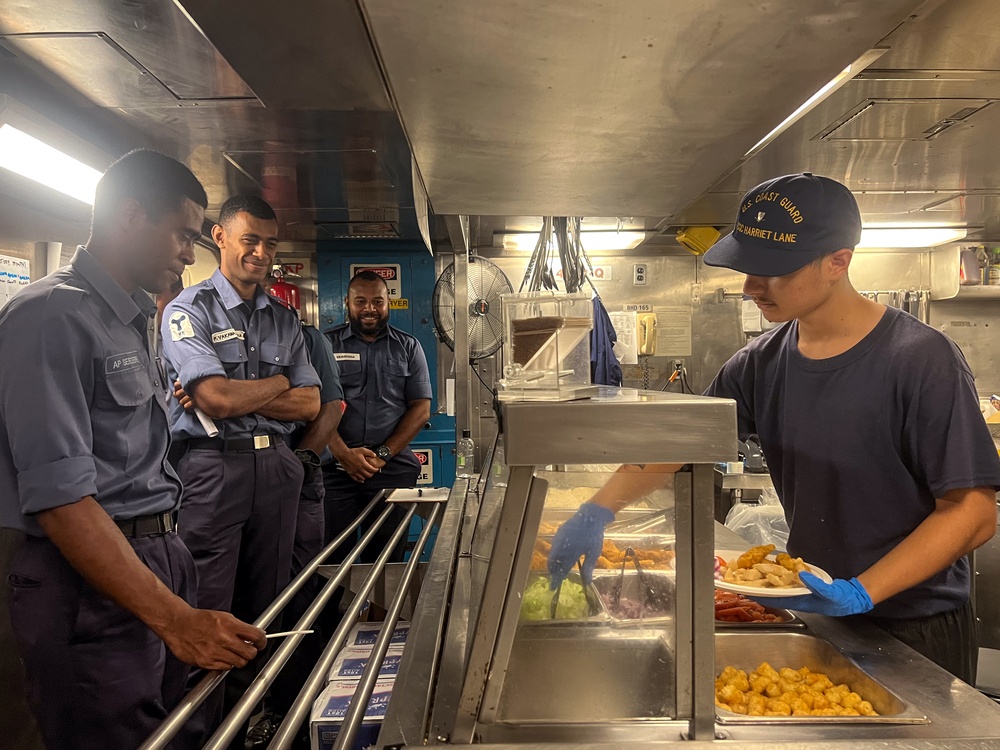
x: 619, y: 426
x: 468, y: 666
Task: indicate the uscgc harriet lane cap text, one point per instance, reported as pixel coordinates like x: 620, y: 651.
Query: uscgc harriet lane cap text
x: 787, y: 223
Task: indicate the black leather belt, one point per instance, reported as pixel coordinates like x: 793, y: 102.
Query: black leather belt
x: 154, y: 524
x: 229, y: 445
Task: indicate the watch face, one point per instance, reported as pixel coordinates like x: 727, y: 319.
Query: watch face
x: 307, y: 456
x: 383, y: 453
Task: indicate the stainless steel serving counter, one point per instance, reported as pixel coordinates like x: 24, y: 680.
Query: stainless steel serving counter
x: 480, y: 669
x: 959, y: 717
x: 954, y: 709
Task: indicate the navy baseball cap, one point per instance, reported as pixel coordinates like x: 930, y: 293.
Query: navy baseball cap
x: 786, y: 223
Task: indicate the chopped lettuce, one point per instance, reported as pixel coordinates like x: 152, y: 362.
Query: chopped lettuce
x: 537, y: 601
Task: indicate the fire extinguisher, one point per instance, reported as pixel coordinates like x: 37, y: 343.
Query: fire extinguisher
x: 285, y: 291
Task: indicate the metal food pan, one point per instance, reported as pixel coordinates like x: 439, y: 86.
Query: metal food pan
x: 594, y: 477
x: 598, y: 613
x: 642, y: 541
x: 630, y: 589
x: 788, y: 621
x: 657, y: 521
x: 627, y: 515
x: 582, y: 676
x: 658, y: 542
x: 795, y: 650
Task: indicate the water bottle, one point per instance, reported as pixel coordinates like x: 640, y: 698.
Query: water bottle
x: 465, y: 456
x: 993, y: 275
x: 499, y: 466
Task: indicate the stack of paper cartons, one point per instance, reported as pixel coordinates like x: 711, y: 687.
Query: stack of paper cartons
x: 332, y: 704
x: 364, y: 634
x: 331, y: 707
x: 351, y: 662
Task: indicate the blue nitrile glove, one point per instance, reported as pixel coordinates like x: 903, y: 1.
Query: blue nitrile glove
x: 581, y: 536
x: 837, y: 599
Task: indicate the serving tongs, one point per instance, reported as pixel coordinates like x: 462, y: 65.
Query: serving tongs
x: 646, y: 522
x: 650, y: 597
x: 591, y: 598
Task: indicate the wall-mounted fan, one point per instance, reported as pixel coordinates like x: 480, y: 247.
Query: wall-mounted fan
x: 486, y: 283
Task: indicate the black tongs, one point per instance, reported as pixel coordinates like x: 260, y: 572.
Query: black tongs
x: 592, y: 602
x: 650, y: 596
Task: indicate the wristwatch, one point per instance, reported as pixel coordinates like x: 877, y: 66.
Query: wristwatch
x: 307, y: 457
x: 383, y: 452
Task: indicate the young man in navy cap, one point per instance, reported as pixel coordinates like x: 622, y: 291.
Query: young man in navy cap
x: 869, y: 421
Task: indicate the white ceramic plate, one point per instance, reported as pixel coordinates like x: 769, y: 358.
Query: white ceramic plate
x: 761, y: 593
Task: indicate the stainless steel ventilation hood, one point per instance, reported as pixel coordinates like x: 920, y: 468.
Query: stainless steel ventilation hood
x: 598, y: 108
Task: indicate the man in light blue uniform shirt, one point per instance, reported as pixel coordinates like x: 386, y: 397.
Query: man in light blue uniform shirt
x: 102, y: 589
x: 237, y: 354
x: 387, y: 389
x: 311, y: 443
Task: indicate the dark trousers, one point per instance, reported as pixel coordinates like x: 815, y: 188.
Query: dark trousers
x: 308, y: 543
x: 17, y: 723
x: 949, y: 639
x: 345, y: 499
x: 238, y: 519
x: 97, y: 677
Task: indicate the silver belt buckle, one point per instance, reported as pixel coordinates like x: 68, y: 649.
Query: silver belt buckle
x: 261, y: 441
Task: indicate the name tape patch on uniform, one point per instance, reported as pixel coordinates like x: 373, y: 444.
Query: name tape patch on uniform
x: 180, y: 326
x: 122, y: 362
x: 347, y: 356
x: 227, y: 335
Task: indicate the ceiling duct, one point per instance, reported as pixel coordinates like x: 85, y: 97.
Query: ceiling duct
x: 902, y: 119
x: 595, y: 108
x: 282, y: 100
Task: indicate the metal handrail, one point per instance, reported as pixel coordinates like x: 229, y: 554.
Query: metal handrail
x: 248, y: 702
x: 306, y: 573
x: 359, y: 703
x: 177, y: 718
x: 302, y: 706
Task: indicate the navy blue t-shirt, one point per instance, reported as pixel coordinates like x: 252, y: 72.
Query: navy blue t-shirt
x: 860, y: 445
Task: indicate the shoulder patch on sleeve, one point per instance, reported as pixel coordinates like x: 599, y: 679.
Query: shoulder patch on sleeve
x: 180, y: 326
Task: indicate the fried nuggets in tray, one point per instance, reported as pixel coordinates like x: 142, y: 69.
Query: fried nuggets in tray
x: 611, y: 556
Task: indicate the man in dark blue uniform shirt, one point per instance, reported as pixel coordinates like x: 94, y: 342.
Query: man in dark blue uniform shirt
x: 387, y: 389
x: 238, y: 354
x: 870, y: 424
x: 102, y: 587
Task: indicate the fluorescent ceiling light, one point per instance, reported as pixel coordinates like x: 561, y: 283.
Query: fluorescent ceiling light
x: 38, y: 161
x: 908, y: 235
x: 592, y: 241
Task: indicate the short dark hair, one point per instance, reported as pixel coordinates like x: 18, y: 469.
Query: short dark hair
x: 368, y: 276
x: 153, y: 180
x: 251, y: 204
